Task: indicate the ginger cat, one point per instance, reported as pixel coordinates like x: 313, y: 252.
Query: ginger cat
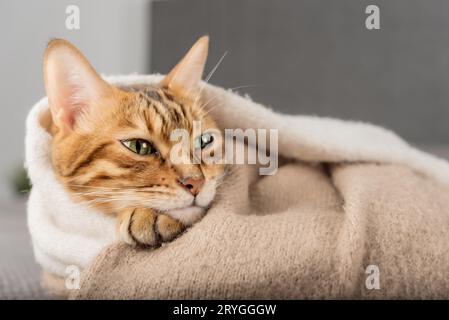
x: 111, y: 146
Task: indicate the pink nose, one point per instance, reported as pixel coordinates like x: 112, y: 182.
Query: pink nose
x: 192, y: 185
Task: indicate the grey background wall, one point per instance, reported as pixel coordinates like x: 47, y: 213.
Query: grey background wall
x: 114, y: 35
x: 317, y: 57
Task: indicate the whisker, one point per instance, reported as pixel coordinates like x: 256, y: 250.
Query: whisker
x: 211, y: 73
x: 136, y: 188
x: 203, y: 106
x: 244, y: 86
x: 206, y: 112
x: 119, y: 193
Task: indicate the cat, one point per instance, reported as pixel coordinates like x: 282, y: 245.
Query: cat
x: 111, y: 145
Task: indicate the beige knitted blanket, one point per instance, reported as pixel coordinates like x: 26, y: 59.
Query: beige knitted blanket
x: 306, y: 232
x: 354, y: 213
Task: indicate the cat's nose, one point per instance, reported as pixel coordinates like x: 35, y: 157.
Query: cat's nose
x: 193, y: 185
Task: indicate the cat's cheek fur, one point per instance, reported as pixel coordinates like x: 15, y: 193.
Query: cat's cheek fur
x: 187, y: 216
x: 206, y: 195
x: 181, y: 199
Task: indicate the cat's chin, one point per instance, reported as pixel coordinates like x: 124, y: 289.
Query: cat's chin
x: 188, y: 215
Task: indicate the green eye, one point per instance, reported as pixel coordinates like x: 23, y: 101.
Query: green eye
x: 204, y: 140
x: 139, y: 146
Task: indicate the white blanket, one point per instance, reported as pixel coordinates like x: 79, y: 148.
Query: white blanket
x: 65, y: 233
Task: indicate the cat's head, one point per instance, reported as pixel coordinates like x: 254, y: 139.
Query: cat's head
x: 111, y: 146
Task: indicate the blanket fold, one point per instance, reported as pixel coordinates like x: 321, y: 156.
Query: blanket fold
x: 350, y: 196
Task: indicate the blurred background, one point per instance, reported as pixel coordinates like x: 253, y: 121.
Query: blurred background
x: 298, y: 56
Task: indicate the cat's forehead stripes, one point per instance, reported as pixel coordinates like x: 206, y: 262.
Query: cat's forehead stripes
x: 166, y: 106
x: 162, y: 113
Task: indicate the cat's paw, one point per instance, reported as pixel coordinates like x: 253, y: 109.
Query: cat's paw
x: 168, y: 228
x: 146, y: 228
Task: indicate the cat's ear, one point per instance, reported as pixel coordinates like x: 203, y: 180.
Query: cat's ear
x: 185, y: 77
x: 72, y: 85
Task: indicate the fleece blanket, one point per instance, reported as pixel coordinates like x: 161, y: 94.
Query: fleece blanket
x: 353, y: 212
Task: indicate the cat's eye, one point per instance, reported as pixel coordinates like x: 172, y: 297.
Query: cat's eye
x: 203, y: 140
x: 139, y: 146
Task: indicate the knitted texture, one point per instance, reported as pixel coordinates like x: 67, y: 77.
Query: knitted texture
x: 298, y: 234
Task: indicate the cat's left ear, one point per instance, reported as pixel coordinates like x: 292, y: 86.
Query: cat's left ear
x: 185, y: 77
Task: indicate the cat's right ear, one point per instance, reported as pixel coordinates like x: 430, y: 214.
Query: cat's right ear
x: 70, y: 82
